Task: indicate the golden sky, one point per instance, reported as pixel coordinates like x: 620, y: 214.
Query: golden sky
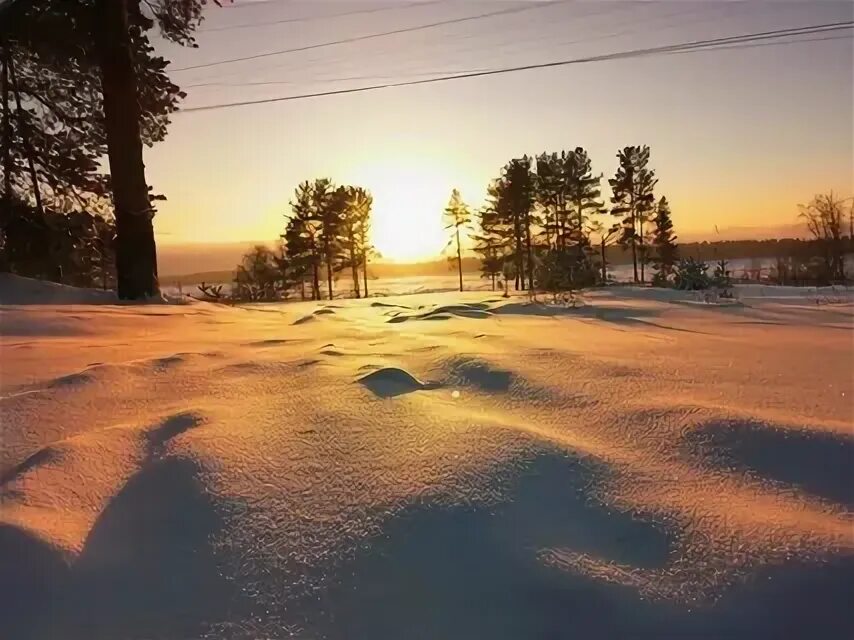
x: 738, y: 137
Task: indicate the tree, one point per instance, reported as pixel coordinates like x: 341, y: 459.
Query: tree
x: 330, y: 205
x: 260, y: 276
x: 489, y: 245
x: 550, y: 195
x: 583, y: 192
x: 457, y: 218
x: 106, y: 58
x: 825, y: 217
x: 356, y: 230
x: 664, y: 243
x: 633, y: 199
x: 607, y: 236
x: 519, y: 191
x: 301, y: 238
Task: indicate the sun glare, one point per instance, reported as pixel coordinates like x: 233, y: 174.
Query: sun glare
x: 406, y: 224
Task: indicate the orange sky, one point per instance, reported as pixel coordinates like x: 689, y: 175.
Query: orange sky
x: 738, y: 137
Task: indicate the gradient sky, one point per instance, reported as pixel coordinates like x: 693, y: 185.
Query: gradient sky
x: 738, y: 137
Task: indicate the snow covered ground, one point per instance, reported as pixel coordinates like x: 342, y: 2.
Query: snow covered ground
x: 430, y: 466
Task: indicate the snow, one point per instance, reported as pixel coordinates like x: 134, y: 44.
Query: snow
x: 440, y: 465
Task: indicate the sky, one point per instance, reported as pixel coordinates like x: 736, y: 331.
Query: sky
x: 738, y: 137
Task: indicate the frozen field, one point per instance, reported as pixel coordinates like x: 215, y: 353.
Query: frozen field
x: 434, y: 466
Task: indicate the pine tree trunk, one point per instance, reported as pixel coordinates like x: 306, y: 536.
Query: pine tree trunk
x: 642, y: 251
x: 315, y: 280
x: 520, y: 267
x: 13, y: 81
x: 530, y: 253
x: 459, y: 259
x: 354, y: 269
x: 604, y: 265
x: 365, y: 272
x: 136, y: 252
x: 7, y: 138
x: 329, y: 279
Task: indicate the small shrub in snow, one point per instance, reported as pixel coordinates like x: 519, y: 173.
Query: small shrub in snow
x: 691, y: 275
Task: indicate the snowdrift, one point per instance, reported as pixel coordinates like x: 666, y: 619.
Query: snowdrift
x: 454, y: 466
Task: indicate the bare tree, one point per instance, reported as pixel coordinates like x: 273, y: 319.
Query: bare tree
x: 824, y: 217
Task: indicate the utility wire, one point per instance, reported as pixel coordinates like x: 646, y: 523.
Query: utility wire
x: 371, y: 36
x: 357, y: 12
x: 697, y: 45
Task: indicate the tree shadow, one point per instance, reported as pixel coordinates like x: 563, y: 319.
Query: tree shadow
x: 818, y: 462
x: 462, y: 572
x: 147, y: 569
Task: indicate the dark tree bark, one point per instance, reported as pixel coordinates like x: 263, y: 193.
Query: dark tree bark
x: 529, y: 251
x: 136, y: 253
x: 7, y: 134
x: 604, y: 264
x: 459, y: 259
x: 365, y: 272
x: 13, y: 81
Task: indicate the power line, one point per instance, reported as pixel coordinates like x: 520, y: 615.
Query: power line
x: 438, y: 72
x: 219, y: 77
x: 685, y: 47
x: 371, y: 36
x: 343, y: 14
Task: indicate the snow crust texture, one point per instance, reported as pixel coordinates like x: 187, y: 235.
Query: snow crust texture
x: 433, y: 466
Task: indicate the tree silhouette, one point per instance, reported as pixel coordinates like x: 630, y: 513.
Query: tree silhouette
x: 664, y: 243
x: 520, y: 196
x: 583, y: 193
x: 550, y: 195
x: 301, y: 238
x: 607, y: 236
x: 356, y: 226
x: 825, y: 218
x: 457, y: 218
x: 103, y: 44
x: 633, y: 199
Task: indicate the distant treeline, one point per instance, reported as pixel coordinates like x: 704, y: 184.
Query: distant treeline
x: 737, y: 249
x: 706, y: 251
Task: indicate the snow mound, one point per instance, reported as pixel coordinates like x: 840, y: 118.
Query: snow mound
x: 17, y: 290
x: 391, y: 381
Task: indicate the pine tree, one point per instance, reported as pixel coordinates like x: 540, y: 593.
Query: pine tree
x: 664, y: 243
x: 457, y: 219
x: 361, y: 203
x: 99, y: 48
x: 633, y: 200
x: 550, y: 195
x: 520, y: 201
x: 355, y: 226
x: 583, y: 193
x: 301, y: 237
x: 488, y: 244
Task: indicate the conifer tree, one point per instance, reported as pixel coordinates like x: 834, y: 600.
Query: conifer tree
x: 633, y: 200
x: 664, y: 243
x: 457, y: 220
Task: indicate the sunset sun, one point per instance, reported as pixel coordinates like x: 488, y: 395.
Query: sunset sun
x: 406, y: 220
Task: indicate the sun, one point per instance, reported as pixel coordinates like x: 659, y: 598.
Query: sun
x: 409, y: 197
